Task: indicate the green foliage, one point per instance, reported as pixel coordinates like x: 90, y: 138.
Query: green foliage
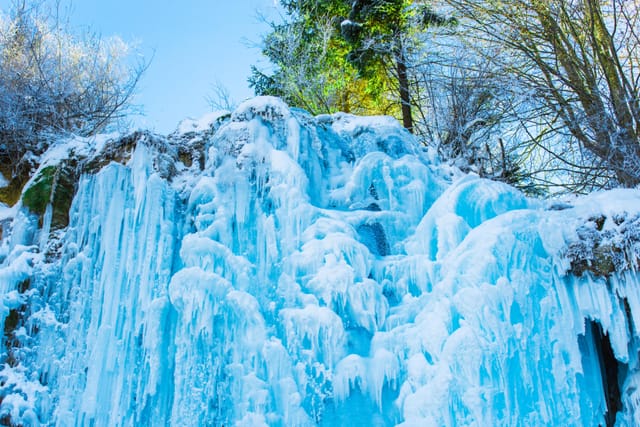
x: 314, y: 66
x: 343, y: 55
x: 382, y: 57
x: 37, y: 196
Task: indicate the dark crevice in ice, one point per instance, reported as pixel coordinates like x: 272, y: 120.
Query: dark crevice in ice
x: 374, y: 238
x: 610, y: 370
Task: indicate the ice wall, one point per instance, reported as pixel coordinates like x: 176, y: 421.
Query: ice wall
x: 266, y: 267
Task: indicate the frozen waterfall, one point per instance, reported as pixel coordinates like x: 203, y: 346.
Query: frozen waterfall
x: 270, y: 268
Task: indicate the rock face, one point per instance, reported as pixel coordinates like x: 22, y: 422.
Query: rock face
x: 266, y: 267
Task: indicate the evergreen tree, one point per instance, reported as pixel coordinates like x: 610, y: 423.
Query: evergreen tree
x: 311, y: 71
x: 339, y: 55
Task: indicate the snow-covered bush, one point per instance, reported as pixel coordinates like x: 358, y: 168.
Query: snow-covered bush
x: 53, y: 81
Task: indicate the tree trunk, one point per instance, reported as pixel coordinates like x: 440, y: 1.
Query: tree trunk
x: 403, y: 83
x: 625, y: 161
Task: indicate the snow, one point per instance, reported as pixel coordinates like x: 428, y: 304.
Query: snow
x: 6, y: 212
x: 75, y: 146
x: 204, y: 123
x: 319, y: 270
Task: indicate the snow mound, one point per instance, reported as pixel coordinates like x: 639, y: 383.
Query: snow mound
x: 203, y: 124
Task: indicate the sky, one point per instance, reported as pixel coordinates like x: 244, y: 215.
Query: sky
x: 193, y: 45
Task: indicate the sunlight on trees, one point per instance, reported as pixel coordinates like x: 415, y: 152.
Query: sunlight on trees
x: 343, y: 56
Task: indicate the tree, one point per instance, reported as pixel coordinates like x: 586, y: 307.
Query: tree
x: 311, y: 71
x: 379, y: 34
x: 579, y: 59
x: 339, y: 55
x: 53, y: 81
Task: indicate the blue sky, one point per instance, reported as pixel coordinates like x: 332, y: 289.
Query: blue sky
x: 194, y: 44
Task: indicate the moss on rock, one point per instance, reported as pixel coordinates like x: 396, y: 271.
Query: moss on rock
x: 10, y: 194
x: 63, y: 197
x: 602, y: 263
x: 55, y: 185
x: 37, y: 196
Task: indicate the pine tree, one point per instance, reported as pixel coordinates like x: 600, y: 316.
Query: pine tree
x: 339, y: 55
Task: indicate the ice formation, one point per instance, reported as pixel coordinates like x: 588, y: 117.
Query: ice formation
x: 269, y: 268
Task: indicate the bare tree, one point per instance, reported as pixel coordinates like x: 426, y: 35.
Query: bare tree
x: 53, y: 81
x: 464, y: 107
x: 220, y: 98
x: 579, y: 60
